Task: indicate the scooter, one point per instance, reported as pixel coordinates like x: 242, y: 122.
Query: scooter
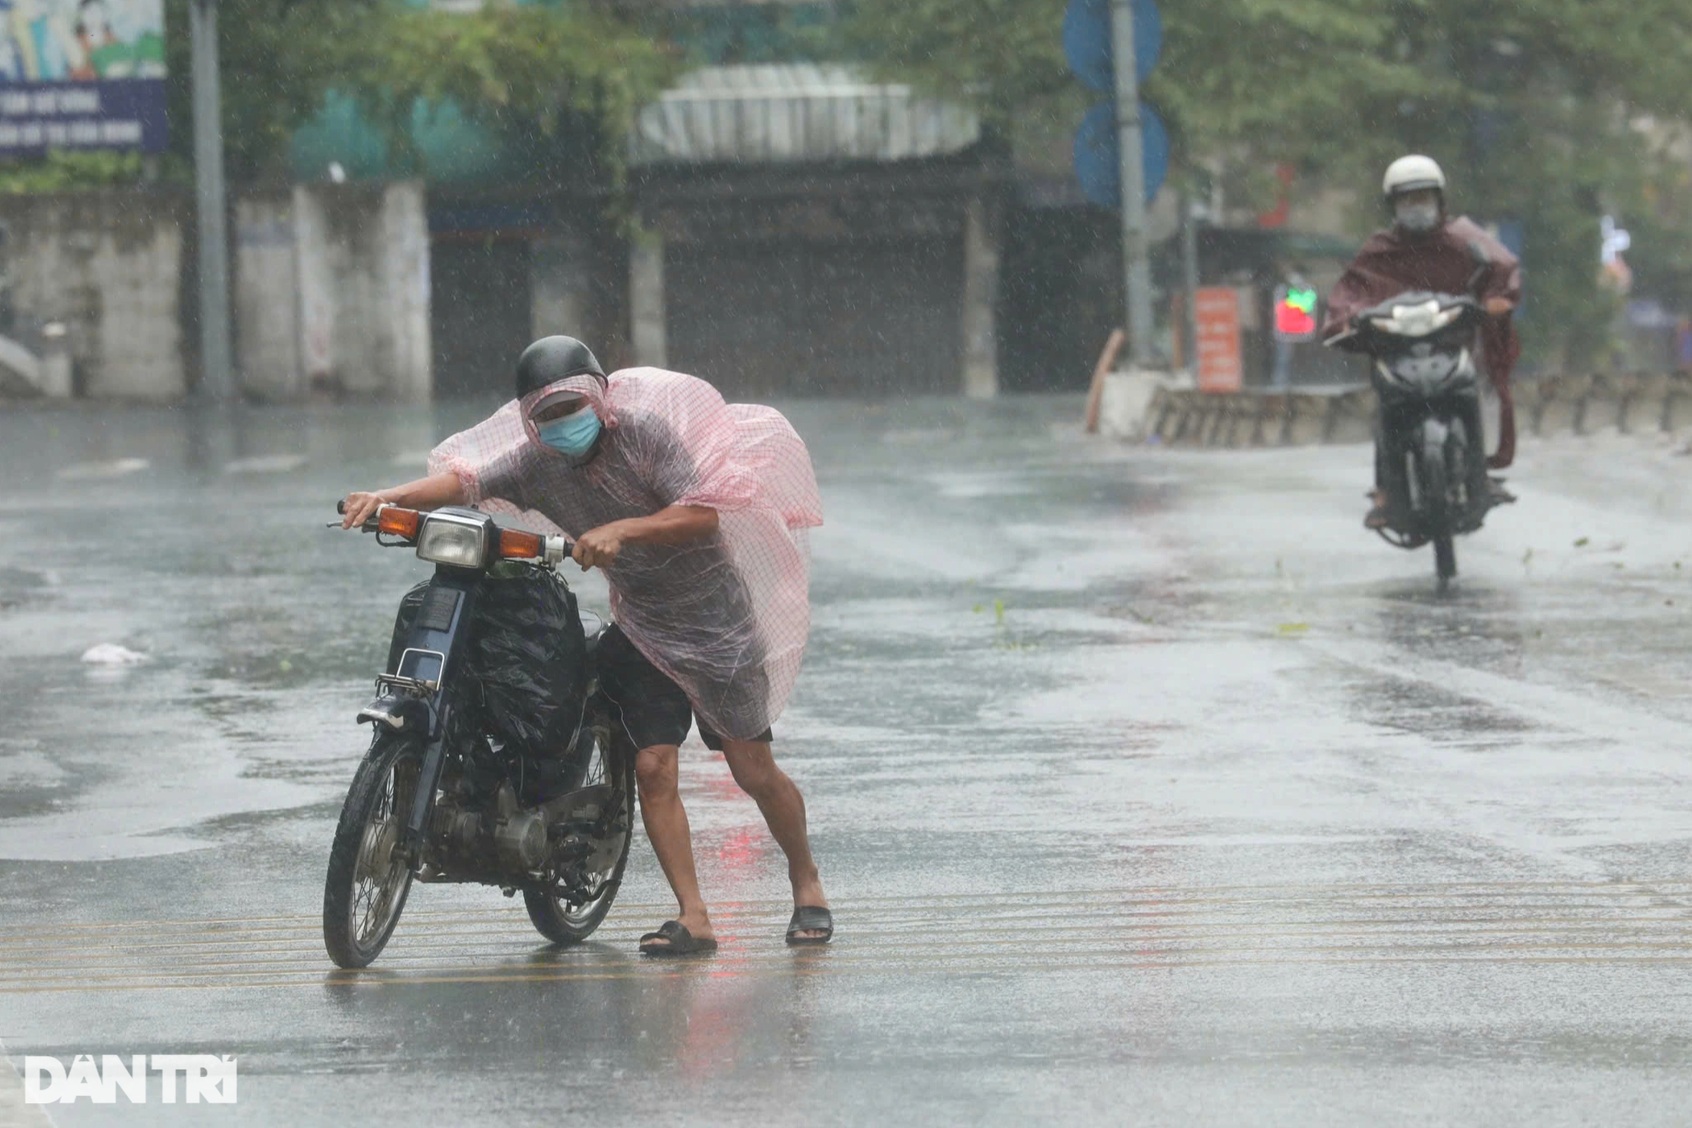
x: 456, y: 786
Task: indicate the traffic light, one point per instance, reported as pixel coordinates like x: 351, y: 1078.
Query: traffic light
x: 1295, y: 312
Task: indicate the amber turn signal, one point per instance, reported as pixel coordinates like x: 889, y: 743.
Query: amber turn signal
x: 397, y: 522
x: 515, y: 544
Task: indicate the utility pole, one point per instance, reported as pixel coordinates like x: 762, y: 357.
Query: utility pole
x: 1191, y: 212
x: 217, y: 381
x: 1136, y: 270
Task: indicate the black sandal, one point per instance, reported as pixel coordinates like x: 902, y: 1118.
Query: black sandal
x: 810, y: 918
x: 676, y: 941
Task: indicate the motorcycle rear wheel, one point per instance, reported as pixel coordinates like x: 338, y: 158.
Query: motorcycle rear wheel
x: 365, y: 889
x: 554, y: 915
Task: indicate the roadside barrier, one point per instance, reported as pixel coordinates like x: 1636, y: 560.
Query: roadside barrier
x: 1187, y: 417
x: 1631, y: 403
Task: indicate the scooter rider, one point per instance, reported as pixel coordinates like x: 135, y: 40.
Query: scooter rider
x: 1426, y: 250
x: 696, y: 511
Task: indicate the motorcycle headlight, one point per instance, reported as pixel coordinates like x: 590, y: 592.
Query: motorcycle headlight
x: 1417, y: 320
x: 454, y: 541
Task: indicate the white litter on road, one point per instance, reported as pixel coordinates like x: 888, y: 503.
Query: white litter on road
x: 116, y: 468
x: 111, y: 654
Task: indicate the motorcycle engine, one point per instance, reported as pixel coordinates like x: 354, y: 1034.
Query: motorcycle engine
x: 479, y: 841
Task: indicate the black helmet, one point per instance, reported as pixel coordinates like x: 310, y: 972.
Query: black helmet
x: 552, y: 359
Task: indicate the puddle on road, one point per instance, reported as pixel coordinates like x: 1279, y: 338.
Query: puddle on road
x: 1445, y: 716
x: 22, y: 586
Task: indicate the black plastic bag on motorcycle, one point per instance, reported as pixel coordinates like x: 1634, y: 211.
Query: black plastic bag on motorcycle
x: 528, y: 654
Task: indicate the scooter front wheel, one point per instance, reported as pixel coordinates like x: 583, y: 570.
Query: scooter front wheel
x: 1445, y: 560
x: 366, y: 887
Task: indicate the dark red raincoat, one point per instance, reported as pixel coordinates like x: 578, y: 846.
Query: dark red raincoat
x: 1391, y: 263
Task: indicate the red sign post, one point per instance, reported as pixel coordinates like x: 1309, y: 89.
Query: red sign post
x: 1221, y: 368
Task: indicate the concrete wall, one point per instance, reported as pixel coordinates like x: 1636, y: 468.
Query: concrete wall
x: 648, y: 313
x: 266, y: 281
x: 109, y: 266
x: 332, y: 292
x: 578, y: 285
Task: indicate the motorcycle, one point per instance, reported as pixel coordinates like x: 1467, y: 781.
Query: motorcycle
x: 1431, y: 458
x: 461, y: 783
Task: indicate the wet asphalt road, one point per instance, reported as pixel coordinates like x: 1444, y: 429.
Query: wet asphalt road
x: 1147, y: 787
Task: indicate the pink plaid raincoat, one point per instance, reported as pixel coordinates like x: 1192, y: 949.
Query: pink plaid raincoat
x: 726, y: 619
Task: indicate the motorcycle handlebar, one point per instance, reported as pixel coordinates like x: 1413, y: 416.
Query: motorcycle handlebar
x: 369, y: 526
x: 554, y: 550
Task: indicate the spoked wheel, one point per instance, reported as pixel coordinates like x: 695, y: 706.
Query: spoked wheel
x: 367, y: 884
x: 578, y: 892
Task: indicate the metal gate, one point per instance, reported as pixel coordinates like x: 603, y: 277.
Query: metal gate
x: 790, y: 317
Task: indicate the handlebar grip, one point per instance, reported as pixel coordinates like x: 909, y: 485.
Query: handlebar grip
x: 341, y: 507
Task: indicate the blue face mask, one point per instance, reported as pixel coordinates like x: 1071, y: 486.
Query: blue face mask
x: 574, y: 434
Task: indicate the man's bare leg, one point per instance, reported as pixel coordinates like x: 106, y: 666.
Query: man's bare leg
x: 672, y: 840
x: 783, y: 807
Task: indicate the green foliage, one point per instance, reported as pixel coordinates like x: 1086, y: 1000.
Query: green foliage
x: 564, y: 84
x: 561, y: 81
x: 69, y: 172
x: 717, y: 34
x: 1534, y: 107
x: 1001, y: 55
x: 278, y: 59
x: 558, y: 84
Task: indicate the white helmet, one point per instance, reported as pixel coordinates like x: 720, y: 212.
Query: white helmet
x: 1412, y: 174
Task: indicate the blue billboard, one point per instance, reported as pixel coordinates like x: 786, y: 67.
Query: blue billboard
x: 82, y: 74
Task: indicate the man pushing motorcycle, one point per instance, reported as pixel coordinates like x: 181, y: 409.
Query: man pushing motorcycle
x: 696, y: 511
x: 1427, y: 250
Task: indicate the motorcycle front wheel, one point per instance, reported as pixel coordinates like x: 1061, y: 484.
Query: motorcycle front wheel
x: 1445, y: 560
x: 560, y: 910
x: 365, y: 890
x: 1432, y: 474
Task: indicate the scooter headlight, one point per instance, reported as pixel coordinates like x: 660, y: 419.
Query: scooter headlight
x: 454, y: 541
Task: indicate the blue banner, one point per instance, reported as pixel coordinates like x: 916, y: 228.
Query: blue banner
x: 122, y: 114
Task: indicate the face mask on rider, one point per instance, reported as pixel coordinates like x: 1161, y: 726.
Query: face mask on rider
x: 573, y: 435
x: 1417, y: 218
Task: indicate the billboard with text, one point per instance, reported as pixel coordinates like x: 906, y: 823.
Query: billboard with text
x: 81, y: 74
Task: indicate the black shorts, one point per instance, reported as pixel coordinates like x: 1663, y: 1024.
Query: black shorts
x: 653, y: 709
